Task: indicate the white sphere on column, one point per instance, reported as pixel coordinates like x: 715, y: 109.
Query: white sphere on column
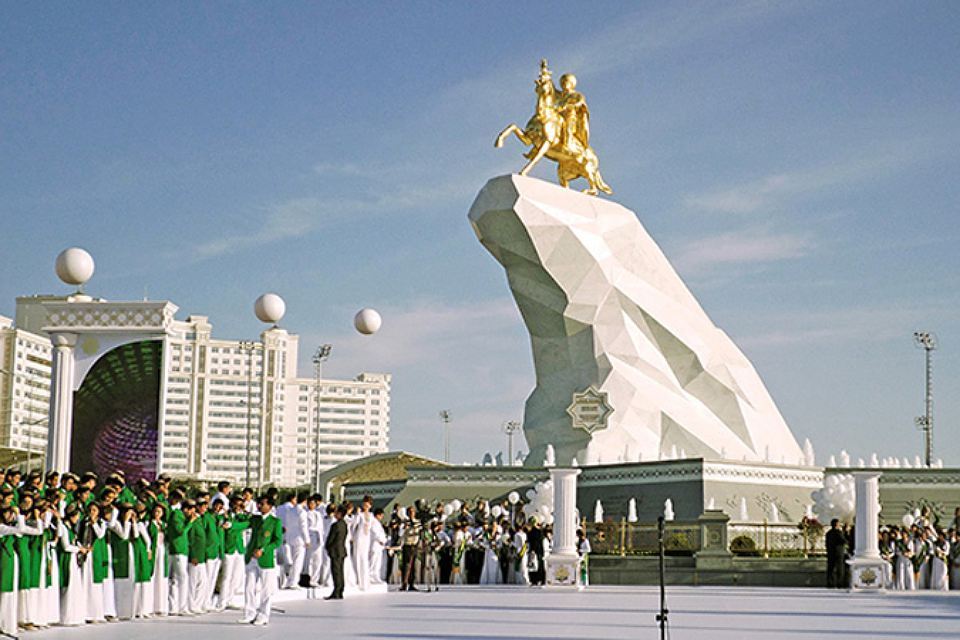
x: 270, y: 308
x: 74, y: 266
x: 367, y: 321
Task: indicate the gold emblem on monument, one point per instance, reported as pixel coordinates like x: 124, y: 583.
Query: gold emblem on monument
x: 560, y: 131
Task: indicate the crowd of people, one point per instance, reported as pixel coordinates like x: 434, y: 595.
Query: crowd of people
x: 923, y: 555
x: 80, y: 550
x: 457, y: 544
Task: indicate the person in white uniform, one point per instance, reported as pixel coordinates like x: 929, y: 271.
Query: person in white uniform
x: 378, y: 545
x: 296, y: 540
x: 315, y: 553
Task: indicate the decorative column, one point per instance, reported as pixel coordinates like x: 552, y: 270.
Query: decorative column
x: 866, y: 566
x: 563, y: 560
x: 60, y: 421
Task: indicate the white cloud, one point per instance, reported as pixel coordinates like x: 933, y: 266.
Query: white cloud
x: 775, y: 191
x: 740, y: 247
x: 472, y: 359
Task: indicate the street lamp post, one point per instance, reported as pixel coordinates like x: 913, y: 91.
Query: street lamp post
x: 249, y: 347
x: 510, y: 427
x: 445, y: 419
x: 928, y: 342
x: 321, y: 355
x: 664, y: 612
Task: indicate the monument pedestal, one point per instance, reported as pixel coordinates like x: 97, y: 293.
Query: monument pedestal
x: 562, y: 569
x: 714, y: 554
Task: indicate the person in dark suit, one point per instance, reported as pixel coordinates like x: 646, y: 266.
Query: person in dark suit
x: 836, y: 543
x: 336, y: 547
x: 535, y: 542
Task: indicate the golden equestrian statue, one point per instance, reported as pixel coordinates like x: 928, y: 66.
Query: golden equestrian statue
x: 560, y: 130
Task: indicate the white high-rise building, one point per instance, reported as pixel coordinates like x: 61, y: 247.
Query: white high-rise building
x: 224, y: 408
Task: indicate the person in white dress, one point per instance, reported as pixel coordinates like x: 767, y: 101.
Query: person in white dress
x: 11, y: 526
x: 378, y: 545
x: 94, y: 561
x: 349, y: 570
x: 110, y: 518
x: 31, y: 539
x: 360, y: 536
x: 50, y: 568
x: 142, y: 568
x: 922, y: 552
x: 939, y: 567
x: 73, y: 601
x: 491, y: 559
x: 121, y: 535
x: 156, y: 529
x: 905, y: 578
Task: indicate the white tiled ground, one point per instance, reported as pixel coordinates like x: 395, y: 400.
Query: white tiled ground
x: 614, y: 613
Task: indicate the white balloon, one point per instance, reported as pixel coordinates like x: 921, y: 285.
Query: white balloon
x: 908, y: 520
x: 513, y: 497
x: 270, y: 308
x: 367, y: 321
x: 496, y: 511
x: 456, y: 504
x: 74, y: 266
x: 448, y: 510
x: 531, y: 494
x: 545, y: 510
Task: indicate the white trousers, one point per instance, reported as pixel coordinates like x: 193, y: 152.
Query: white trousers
x: 179, y: 585
x: 197, y: 574
x: 142, y: 599
x: 8, y: 605
x: 93, y: 592
x: 316, y: 556
x: 361, y: 565
x: 232, y: 583
x: 294, y: 554
x: 123, y: 596
x: 376, y: 564
x: 213, y: 572
x: 260, y: 586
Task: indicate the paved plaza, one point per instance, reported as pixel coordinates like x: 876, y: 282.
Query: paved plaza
x: 610, y: 613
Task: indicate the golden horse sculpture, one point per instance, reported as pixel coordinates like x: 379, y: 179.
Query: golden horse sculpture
x: 560, y: 130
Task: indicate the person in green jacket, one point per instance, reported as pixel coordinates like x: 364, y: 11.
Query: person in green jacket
x: 261, y: 573
x: 178, y: 526
x: 30, y: 546
x: 237, y: 522
x: 213, y: 521
x: 197, y: 555
x: 9, y: 532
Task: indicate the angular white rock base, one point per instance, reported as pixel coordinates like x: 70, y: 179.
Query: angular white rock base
x: 604, y: 308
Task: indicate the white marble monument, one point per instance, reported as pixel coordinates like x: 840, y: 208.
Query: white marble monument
x: 625, y: 357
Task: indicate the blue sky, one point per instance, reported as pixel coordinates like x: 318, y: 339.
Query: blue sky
x: 796, y: 161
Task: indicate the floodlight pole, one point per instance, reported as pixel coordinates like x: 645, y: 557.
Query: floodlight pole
x: 321, y: 355
x: 249, y: 346
x: 510, y: 427
x: 928, y: 342
x: 445, y: 418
